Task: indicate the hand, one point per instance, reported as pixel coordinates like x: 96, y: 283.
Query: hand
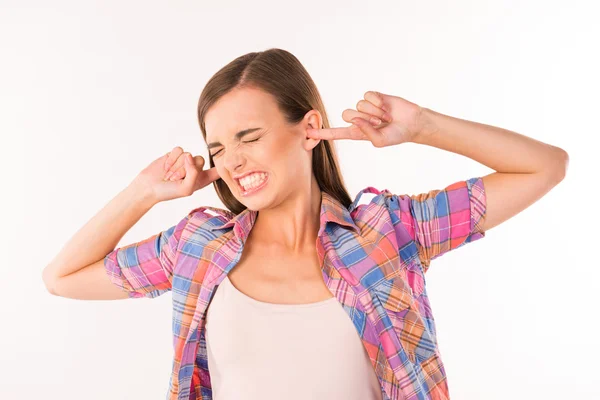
x: 382, y: 119
x: 176, y: 174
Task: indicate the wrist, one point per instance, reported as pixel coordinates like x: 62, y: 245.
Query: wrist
x: 142, y: 194
x: 428, y: 127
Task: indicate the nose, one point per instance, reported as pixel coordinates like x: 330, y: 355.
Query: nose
x: 233, y: 160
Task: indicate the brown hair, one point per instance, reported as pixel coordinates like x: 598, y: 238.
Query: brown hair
x: 279, y: 73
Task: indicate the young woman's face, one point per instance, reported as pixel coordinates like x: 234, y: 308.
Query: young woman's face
x: 257, y: 153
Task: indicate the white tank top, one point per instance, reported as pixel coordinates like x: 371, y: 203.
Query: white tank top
x: 266, y: 351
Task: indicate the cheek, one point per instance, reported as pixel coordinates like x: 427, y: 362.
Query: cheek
x: 223, y: 173
x: 218, y: 166
x: 295, y: 162
x: 283, y: 151
x: 267, y: 155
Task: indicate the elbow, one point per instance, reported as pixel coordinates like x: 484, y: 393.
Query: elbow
x: 560, y: 164
x: 49, y: 282
x: 564, y: 163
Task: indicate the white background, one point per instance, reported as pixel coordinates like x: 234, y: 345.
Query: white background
x: 93, y: 91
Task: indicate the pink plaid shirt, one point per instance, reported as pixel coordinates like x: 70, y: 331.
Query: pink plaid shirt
x: 374, y: 259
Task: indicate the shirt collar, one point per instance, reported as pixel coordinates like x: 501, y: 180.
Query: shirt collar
x: 331, y: 211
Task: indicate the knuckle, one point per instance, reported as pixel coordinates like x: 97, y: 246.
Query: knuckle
x: 192, y: 174
x: 375, y: 98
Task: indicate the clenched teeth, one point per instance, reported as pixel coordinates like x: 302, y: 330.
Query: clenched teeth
x: 253, y: 180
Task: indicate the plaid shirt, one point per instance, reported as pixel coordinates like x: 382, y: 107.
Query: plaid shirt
x: 374, y: 259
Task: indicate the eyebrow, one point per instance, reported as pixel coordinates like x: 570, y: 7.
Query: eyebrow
x: 238, y: 136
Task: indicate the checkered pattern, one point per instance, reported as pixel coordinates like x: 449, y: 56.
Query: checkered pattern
x: 374, y: 259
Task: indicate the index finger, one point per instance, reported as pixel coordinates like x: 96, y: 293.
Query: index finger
x: 348, y: 132
x: 208, y: 176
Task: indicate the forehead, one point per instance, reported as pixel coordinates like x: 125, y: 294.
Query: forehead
x: 238, y: 110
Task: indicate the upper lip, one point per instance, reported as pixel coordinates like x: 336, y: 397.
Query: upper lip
x: 246, y: 173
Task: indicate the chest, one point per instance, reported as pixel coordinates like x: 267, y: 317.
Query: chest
x: 278, y: 277
x: 372, y: 280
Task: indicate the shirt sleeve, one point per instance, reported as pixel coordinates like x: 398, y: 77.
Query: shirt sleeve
x: 145, y: 269
x: 442, y: 220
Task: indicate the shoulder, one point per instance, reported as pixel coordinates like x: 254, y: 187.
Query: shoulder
x: 370, y: 197
x: 206, y: 217
x: 371, y: 208
x: 195, y: 230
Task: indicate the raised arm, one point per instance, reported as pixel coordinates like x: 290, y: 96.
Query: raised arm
x: 526, y: 169
x: 78, y: 271
x: 89, y: 267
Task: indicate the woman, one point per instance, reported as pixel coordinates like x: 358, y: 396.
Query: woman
x: 295, y: 268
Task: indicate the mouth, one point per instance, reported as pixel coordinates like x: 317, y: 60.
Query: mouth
x: 252, y: 182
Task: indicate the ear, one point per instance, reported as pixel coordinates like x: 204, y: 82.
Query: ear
x: 312, y: 119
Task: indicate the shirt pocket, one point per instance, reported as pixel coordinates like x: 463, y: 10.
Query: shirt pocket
x: 397, y: 299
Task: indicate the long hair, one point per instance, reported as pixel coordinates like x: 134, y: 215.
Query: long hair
x: 279, y: 73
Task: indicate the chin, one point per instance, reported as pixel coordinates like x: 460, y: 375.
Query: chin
x: 255, y: 203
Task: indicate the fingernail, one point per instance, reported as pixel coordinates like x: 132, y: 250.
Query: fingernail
x: 174, y: 177
x: 375, y: 121
x: 387, y: 117
x: 168, y: 175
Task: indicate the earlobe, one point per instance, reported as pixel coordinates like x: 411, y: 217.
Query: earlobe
x: 310, y: 143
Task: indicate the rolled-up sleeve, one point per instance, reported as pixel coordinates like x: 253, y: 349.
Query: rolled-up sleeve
x: 145, y: 268
x: 443, y: 220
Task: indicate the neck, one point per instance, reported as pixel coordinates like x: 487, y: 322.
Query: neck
x: 292, y: 225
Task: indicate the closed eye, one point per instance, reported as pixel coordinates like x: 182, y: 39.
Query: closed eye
x: 247, y: 141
